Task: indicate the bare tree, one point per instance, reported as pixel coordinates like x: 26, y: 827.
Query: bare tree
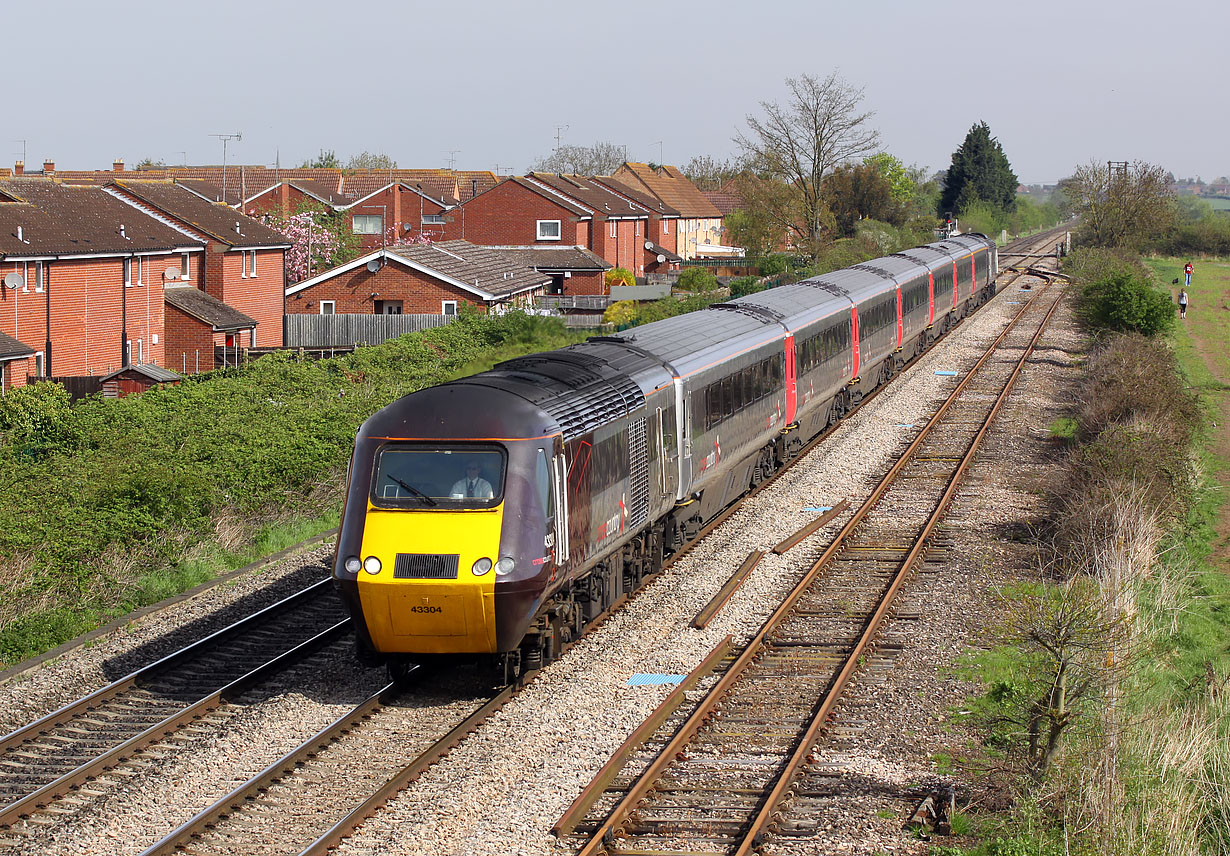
x: 709, y: 173
x: 1121, y: 208
x: 801, y: 142
x: 598, y: 159
x: 371, y: 160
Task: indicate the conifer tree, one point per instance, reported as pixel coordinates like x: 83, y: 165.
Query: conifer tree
x: 979, y: 171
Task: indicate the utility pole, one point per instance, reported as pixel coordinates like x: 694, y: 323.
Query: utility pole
x: 226, y: 138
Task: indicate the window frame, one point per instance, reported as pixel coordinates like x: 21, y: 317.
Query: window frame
x: 444, y: 305
x: 332, y: 304
x: 367, y: 218
x: 559, y: 230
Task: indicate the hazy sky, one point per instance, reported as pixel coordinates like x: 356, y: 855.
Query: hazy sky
x: 1059, y: 83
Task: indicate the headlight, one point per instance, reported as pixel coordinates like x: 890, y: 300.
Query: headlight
x: 481, y: 566
x: 372, y: 565
x: 504, y: 566
x: 352, y: 564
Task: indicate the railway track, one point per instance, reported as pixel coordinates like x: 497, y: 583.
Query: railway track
x: 52, y: 757
x: 721, y: 779
x: 306, y: 802
x: 295, y: 787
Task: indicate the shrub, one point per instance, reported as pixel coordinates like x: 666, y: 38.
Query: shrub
x: 696, y: 280
x: 744, y: 285
x: 621, y: 313
x: 1124, y: 302
x: 619, y: 276
x: 774, y: 265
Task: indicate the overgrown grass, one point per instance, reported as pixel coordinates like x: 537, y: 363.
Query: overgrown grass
x: 1148, y: 769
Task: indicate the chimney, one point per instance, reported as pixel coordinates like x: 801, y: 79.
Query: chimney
x: 118, y: 165
x: 19, y: 168
x: 49, y: 166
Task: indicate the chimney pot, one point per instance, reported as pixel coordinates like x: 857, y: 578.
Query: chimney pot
x: 49, y: 167
x: 118, y: 165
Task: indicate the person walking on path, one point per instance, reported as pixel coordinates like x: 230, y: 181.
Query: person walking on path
x: 1187, y: 274
x: 1183, y: 301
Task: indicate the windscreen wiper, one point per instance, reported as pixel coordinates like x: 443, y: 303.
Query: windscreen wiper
x: 414, y: 490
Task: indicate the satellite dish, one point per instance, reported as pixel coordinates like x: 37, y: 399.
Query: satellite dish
x: 171, y: 273
x: 649, y: 245
x: 661, y: 258
x: 14, y: 280
x: 374, y: 265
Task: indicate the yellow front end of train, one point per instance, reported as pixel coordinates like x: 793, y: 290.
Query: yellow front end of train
x: 431, y: 600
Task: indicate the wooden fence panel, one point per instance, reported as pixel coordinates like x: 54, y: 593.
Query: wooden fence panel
x: 325, y: 331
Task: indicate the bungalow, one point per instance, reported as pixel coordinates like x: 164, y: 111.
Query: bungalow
x: 429, y: 279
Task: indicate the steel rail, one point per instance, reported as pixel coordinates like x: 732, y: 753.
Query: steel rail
x: 115, y: 688
x: 689, y: 729
x: 169, y: 725
x: 785, y: 778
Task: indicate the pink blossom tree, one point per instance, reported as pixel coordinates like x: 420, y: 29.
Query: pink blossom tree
x: 319, y: 240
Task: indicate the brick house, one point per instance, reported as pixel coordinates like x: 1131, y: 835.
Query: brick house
x: 541, y: 209
x: 432, y: 279
x: 245, y: 260
x: 700, y: 222
x: 87, y: 274
x: 573, y: 270
x: 662, y: 233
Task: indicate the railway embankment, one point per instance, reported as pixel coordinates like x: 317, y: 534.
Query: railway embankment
x: 1103, y: 718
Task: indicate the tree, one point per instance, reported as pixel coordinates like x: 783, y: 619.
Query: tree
x: 370, y: 160
x: 1124, y: 209
x: 598, y: 159
x: 320, y: 239
x: 901, y: 183
x: 709, y: 173
x: 858, y: 192
x: 798, y: 144
x: 979, y: 171
x: 149, y: 163
x: 696, y: 279
x: 325, y: 160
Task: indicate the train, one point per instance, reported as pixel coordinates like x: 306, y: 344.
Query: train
x: 494, y: 516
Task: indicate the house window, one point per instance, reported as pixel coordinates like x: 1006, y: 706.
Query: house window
x: 388, y: 307
x: 252, y: 263
x: 128, y: 273
x: 638, y: 228
x: 38, y: 364
x: 438, y: 220
x: 38, y: 276
x: 243, y: 264
x: 183, y: 266
x: 614, y: 227
x: 141, y: 260
x: 368, y: 224
x: 548, y: 230
x: 666, y: 227
x: 328, y: 307
x: 448, y: 307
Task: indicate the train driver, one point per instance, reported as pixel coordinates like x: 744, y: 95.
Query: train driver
x: 473, y: 485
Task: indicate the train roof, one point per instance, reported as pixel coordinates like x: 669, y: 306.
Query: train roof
x: 797, y: 305
x: 688, y: 343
